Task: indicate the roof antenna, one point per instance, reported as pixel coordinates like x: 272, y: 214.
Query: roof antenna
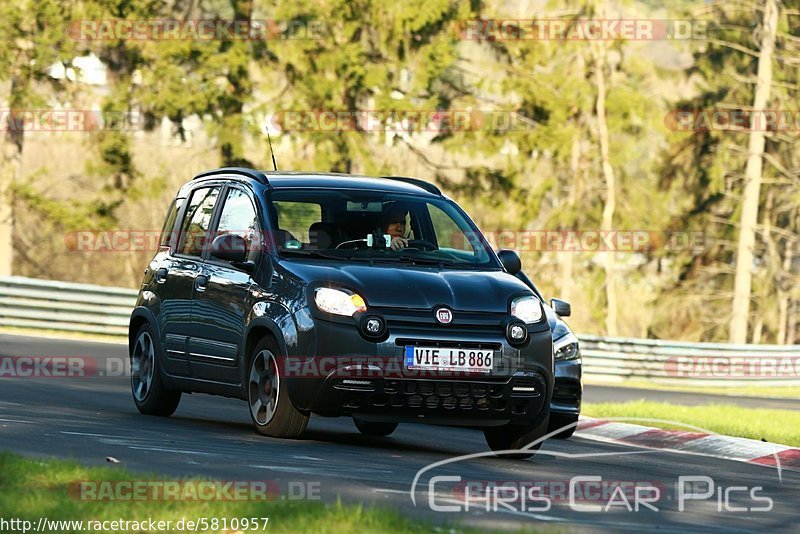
x: 272, y: 152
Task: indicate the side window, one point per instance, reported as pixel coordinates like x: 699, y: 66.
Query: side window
x: 239, y: 217
x: 169, y: 224
x: 448, y: 234
x: 197, y: 220
x: 297, y: 217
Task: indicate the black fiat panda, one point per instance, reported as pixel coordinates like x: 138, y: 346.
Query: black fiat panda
x: 339, y: 295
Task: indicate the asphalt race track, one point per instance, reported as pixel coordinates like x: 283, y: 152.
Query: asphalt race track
x: 88, y: 419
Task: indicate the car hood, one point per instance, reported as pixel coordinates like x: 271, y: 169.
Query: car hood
x: 419, y: 287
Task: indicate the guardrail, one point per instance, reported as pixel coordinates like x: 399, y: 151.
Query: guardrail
x: 63, y: 306
x: 681, y: 362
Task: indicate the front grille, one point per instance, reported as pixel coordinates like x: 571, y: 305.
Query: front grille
x: 467, y: 345
x: 448, y: 395
x: 423, y: 323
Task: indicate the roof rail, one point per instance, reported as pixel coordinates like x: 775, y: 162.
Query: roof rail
x: 241, y: 171
x: 427, y: 186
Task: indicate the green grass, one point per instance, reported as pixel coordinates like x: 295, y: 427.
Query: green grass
x: 63, y: 334
x: 30, y: 489
x: 775, y: 426
x: 780, y: 392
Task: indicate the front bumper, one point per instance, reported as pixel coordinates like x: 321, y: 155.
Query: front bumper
x: 518, y: 400
x: 349, y: 375
x: 568, y: 390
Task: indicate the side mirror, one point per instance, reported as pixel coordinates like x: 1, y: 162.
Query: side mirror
x: 561, y: 307
x: 510, y: 260
x: 229, y: 247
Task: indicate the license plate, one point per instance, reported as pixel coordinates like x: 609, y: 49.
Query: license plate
x: 448, y: 359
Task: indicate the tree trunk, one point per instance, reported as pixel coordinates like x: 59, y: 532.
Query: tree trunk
x: 12, y: 143
x: 784, y: 294
x: 752, y: 188
x: 231, y: 135
x: 607, y: 222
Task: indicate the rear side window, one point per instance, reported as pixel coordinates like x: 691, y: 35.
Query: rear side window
x: 194, y: 230
x: 169, y: 223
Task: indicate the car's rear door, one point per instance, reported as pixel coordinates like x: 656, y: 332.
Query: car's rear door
x: 177, y: 277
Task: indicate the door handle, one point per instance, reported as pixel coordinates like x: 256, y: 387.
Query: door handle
x: 201, y: 282
x: 161, y: 275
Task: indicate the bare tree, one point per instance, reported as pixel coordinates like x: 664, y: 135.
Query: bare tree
x: 607, y: 222
x: 752, y: 188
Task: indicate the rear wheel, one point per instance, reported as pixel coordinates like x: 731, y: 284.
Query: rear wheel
x: 515, y: 437
x: 559, y: 421
x: 149, y: 393
x: 369, y: 428
x: 271, y: 409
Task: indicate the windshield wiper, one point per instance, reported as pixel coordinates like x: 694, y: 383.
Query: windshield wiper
x: 422, y: 260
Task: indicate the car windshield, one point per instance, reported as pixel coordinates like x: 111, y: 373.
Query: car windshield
x: 378, y: 227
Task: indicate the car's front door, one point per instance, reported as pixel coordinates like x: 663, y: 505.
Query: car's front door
x: 222, y: 298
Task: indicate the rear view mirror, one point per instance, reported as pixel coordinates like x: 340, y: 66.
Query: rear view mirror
x: 561, y: 307
x: 510, y: 260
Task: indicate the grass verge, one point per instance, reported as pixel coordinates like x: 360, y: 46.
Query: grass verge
x: 778, y: 392
x: 62, y: 334
x: 31, y: 489
x: 775, y: 426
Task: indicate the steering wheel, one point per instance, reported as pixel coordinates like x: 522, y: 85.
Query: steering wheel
x: 421, y: 244
x: 354, y: 244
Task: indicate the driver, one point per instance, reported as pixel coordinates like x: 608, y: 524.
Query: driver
x: 394, y: 224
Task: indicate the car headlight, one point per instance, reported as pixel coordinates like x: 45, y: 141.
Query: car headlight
x: 527, y: 309
x: 339, y: 302
x: 566, y: 347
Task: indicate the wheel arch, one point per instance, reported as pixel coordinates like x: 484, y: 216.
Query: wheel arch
x: 257, y: 330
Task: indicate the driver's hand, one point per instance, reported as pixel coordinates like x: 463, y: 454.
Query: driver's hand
x: 399, y: 242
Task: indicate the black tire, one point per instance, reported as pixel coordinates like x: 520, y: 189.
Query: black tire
x: 558, y: 421
x: 271, y: 409
x: 369, y: 428
x: 150, y: 394
x: 515, y: 437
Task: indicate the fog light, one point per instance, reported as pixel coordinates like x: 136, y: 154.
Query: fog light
x: 517, y: 333
x: 374, y: 326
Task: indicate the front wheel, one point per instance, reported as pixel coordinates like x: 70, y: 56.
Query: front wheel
x: 271, y: 409
x: 368, y: 428
x: 562, y: 422
x: 149, y: 393
x: 516, y: 437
